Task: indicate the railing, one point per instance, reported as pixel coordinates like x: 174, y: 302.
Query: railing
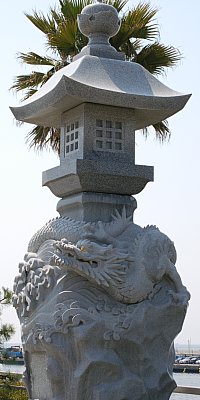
x: 187, y: 390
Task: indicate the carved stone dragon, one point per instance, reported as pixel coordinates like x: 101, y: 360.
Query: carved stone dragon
x: 125, y: 260
x: 129, y: 276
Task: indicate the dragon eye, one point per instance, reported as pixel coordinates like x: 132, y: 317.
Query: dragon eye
x: 83, y: 248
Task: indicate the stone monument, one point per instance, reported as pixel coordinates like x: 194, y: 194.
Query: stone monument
x: 98, y: 297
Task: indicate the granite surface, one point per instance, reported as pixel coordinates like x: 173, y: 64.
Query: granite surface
x: 99, y: 22
x: 104, y: 158
x: 102, y: 81
x: 92, y: 207
x: 100, y: 305
x: 94, y: 176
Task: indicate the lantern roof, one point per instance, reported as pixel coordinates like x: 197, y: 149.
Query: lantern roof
x: 92, y: 79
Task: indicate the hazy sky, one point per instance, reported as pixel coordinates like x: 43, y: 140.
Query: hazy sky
x: 171, y: 202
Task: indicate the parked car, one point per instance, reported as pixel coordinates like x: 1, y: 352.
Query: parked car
x: 193, y: 360
x: 178, y: 359
x: 185, y: 360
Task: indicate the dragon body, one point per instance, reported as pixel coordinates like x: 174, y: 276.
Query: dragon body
x: 120, y: 257
x: 129, y: 275
x: 72, y: 230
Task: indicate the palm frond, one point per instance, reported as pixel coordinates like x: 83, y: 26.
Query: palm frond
x: 44, y: 24
x: 138, y: 23
x: 71, y: 8
x: 57, y: 16
x: 142, y: 20
x: 41, y: 138
x: 156, y: 57
x: 81, y: 41
x: 162, y: 131
x: 29, y: 93
x: 6, y: 296
x: 64, y: 40
x: 32, y: 80
x: 118, y: 4
x: 35, y: 59
x: 131, y: 48
x: 6, y: 331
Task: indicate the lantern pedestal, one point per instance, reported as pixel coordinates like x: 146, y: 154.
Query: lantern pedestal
x: 93, y: 207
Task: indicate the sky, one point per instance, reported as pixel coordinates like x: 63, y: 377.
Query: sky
x: 171, y: 202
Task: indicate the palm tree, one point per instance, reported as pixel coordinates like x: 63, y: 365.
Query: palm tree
x: 6, y: 330
x: 138, y: 38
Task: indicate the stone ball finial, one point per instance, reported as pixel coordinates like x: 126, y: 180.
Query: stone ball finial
x: 99, y: 21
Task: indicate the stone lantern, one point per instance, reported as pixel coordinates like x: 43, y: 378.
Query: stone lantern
x: 99, y: 298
